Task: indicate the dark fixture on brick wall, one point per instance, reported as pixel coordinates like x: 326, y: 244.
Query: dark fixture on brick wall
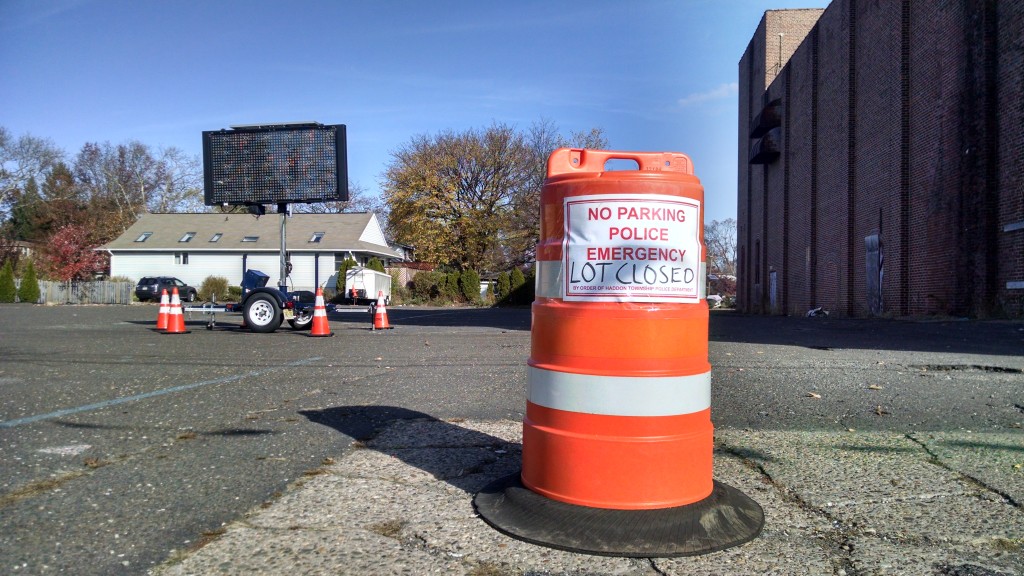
x: 770, y: 117
x: 766, y: 150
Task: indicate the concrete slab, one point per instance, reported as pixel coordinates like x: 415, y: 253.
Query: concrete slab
x: 835, y: 503
x: 262, y: 552
x: 994, y: 459
x: 790, y: 533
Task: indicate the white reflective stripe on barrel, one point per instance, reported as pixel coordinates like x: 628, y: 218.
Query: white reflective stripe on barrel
x: 619, y: 395
x: 549, y: 278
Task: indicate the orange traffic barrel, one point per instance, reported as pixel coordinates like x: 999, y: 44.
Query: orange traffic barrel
x: 619, y: 389
x: 618, y: 411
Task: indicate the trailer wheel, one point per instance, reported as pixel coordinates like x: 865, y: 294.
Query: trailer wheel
x: 262, y: 313
x: 302, y: 321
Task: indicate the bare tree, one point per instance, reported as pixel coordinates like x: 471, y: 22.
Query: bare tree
x: 117, y: 180
x: 128, y: 179
x: 720, y: 242
x: 178, y: 183
x: 359, y: 200
x: 21, y: 159
x: 543, y: 138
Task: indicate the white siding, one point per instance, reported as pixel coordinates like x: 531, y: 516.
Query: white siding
x: 373, y: 233
x: 303, y: 271
x: 328, y: 272
x: 201, y: 266
x: 305, y: 275
x: 269, y: 264
x: 137, y: 265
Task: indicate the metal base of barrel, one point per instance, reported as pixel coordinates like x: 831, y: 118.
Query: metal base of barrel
x: 724, y: 519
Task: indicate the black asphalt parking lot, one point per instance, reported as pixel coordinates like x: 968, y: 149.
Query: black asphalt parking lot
x: 123, y: 446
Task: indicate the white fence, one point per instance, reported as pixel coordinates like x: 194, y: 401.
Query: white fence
x: 84, y: 292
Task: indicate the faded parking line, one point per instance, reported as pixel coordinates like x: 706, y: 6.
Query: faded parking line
x: 143, y: 396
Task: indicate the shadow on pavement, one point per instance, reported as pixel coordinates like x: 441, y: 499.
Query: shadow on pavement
x: 442, y: 449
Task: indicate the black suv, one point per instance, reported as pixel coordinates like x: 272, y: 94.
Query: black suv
x: 150, y: 288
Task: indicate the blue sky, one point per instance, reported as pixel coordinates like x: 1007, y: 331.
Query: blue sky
x: 655, y: 75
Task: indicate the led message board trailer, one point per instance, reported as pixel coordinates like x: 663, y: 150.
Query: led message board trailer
x: 275, y: 164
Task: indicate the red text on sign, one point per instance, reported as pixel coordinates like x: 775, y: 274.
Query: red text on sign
x: 634, y: 253
x: 636, y: 233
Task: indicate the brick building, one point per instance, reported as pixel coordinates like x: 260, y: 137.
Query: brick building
x: 881, y: 160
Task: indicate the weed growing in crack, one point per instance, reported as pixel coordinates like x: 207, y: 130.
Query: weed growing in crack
x: 388, y: 528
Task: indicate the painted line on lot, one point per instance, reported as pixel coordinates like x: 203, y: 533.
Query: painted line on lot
x: 143, y: 396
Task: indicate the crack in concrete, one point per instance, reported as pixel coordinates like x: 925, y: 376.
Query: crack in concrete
x: 840, y: 537
x: 934, y: 459
x: 654, y: 566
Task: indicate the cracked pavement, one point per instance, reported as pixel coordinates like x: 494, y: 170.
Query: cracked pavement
x: 870, y: 453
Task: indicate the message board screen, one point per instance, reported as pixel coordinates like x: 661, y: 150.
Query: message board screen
x: 291, y: 163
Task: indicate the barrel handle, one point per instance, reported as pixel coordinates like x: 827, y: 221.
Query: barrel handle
x: 574, y: 160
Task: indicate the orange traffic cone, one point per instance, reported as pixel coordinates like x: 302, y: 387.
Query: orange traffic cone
x: 380, y: 319
x: 320, y: 326
x: 175, y: 320
x: 165, y: 310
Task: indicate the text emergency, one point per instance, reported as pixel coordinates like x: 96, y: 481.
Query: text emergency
x: 639, y: 247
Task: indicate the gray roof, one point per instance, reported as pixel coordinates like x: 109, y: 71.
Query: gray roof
x: 341, y: 233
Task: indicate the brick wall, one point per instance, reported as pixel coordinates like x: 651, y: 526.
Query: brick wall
x: 937, y: 77
x: 1010, y: 222
x: 833, y: 175
x: 799, y: 150
x: 764, y: 194
x: 876, y: 152
x: 749, y: 96
x: 902, y: 120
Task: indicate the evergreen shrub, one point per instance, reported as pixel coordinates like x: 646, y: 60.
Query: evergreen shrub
x: 29, y: 289
x: 469, y: 285
x: 425, y: 285
x: 8, y: 292
x: 503, y: 289
x: 375, y: 264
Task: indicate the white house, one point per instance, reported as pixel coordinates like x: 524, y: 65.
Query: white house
x: 193, y: 247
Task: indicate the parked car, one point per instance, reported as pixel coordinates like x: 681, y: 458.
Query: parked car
x: 150, y: 288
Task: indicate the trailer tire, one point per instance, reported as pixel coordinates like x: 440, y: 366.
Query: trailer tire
x: 301, y: 322
x: 262, y: 313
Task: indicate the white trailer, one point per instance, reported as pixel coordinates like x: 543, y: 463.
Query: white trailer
x: 363, y: 285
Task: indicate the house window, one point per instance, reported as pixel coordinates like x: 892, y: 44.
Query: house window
x: 181, y: 257
x: 187, y: 237
x: 216, y: 237
x: 316, y: 237
x: 250, y: 239
x: 144, y: 236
